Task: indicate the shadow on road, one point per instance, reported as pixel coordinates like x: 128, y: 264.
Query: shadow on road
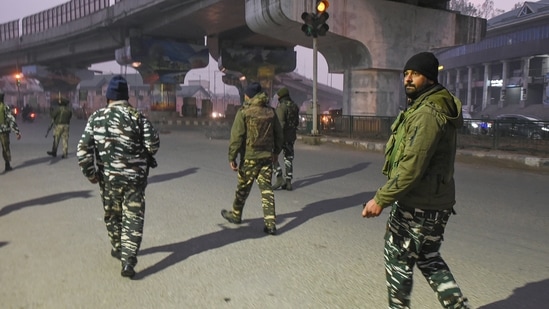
x: 50, y: 199
x: 3, y: 243
x: 170, y: 176
x: 182, y: 250
x: 329, y: 175
x: 251, y: 229
x: 323, y: 207
x: 40, y: 160
x: 532, y: 295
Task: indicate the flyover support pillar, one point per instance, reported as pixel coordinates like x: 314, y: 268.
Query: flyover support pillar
x: 372, y: 92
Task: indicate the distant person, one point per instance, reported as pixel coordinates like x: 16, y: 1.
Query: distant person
x: 256, y: 137
x: 419, y: 164
x: 117, y: 150
x: 61, y: 119
x: 7, y: 124
x: 288, y: 115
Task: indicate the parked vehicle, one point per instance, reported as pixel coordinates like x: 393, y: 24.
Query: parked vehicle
x: 28, y: 114
x: 521, y: 126
x: 476, y: 126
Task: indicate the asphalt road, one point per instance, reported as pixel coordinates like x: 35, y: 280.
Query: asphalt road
x: 54, y: 251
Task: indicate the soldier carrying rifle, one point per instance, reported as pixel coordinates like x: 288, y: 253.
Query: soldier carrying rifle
x: 60, y: 118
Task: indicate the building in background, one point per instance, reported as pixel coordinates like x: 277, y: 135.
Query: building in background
x: 506, y: 72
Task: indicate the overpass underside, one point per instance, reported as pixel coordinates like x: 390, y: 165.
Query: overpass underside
x: 368, y: 41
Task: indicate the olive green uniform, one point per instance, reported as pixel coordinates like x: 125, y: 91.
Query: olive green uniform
x: 255, y: 143
x: 420, y: 189
x: 61, y: 118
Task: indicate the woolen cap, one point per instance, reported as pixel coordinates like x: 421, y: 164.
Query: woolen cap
x: 425, y: 63
x: 117, y: 89
x: 253, y: 89
x: 282, y: 92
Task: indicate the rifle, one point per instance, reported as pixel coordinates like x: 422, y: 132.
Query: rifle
x: 49, y: 129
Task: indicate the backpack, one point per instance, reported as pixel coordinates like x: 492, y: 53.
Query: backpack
x: 260, y: 130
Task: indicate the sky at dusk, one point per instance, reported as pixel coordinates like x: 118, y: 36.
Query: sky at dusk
x: 17, y: 9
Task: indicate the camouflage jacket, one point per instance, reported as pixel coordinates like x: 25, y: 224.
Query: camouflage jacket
x: 288, y: 114
x: 7, y: 124
x: 420, y: 154
x: 119, y: 140
x: 242, y: 137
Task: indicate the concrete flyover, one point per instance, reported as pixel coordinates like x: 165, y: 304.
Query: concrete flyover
x: 368, y: 41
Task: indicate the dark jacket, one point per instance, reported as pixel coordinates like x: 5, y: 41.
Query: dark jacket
x: 62, y: 115
x: 420, y: 154
x: 288, y: 114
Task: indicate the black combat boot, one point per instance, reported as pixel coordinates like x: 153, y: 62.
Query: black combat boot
x: 128, y: 267
x: 51, y: 153
x: 231, y: 217
x: 271, y: 229
x: 288, y: 184
x: 279, y: 183
x: 8, y: 167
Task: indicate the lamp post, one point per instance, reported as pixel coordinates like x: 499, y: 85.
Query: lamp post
x: 18, y: 83
x: 214, y: 92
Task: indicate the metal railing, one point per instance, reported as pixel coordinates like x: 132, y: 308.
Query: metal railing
x: 524, y: 137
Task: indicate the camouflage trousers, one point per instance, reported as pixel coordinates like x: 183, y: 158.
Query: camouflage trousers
x: 124, y: 218
x: 414, y: 237
x: 288, y: 152
x: 5, y: 141
x: 250, y: 170
x: 61, y: 133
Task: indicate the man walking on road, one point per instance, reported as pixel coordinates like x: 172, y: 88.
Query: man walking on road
x: 256, y: 136
x: 7, y: 124
x: 61, y: 119
x: 288, y: 115
x: 419, y: 164
x: 116, y: 150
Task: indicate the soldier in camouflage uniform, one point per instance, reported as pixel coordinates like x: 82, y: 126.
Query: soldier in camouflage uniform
x: 7, y: 124
x: 61, y: 118
x: 256, y: 136
x: 288, y: 114
x: 420, y: 188
x: 116, y: 150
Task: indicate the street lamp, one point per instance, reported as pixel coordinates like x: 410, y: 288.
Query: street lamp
x: 18, y: 77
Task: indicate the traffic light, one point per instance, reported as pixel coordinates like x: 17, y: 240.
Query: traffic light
x: 315, y: 23
x: 18, y: 79
x: 309, y: 27
x: 321, y: 6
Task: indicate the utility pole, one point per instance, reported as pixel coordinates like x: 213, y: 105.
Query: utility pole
x: 314, y: 26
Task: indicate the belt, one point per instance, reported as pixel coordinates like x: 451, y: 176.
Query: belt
x: 426, y: 214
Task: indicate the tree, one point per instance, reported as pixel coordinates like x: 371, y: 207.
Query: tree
x: 464, y: 7
x: 518, y: 5
x: 484, y: 10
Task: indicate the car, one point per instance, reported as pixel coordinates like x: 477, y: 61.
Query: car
x: 475, y: 126
x: 521, y: 126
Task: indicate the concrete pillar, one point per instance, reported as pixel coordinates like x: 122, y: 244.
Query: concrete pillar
x: 503, y: 92
x: 485, y: 87
x: 373, y: 92
x: 458, y: 79
x: 525, y: 77
x: 469, y: 87
x: 447, y: 81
